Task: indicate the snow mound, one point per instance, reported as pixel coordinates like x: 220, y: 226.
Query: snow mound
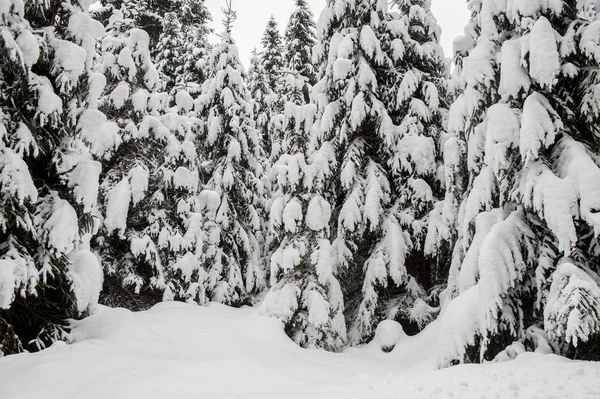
x: 181, y: 351
x: 388, y: 334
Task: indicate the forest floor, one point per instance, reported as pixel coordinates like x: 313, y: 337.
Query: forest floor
x: 180, y: 351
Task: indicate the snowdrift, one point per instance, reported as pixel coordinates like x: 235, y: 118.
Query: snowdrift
x: 177, y: 350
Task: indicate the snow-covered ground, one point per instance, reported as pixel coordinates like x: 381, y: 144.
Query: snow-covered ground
x: 182, y: 351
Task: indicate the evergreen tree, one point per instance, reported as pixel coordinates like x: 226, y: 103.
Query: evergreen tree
x: 48, y: 172
x: 305, y: 294
x: 366, y: 88
x: 523, y: 149
x: 228, y: 205
x: 300, y: 38
x: 272, y: 54
x: 178, y: 32
x: 151, y: 181
x: 417, y: 102
x: 262, y: 99
x: 168, y: 54
x: 194, y: 18
x: 149, y: 14
x: 267, y: 78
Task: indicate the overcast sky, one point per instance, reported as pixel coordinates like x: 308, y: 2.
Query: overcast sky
x: 253, y: 15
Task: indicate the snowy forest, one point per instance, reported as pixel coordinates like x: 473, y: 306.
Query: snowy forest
x: 353, y: 174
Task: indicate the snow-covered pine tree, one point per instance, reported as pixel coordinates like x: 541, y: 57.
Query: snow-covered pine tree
x: 48, y: 175
x: 360, y: 49
x: 271, y: 60
x: 305, y: 294
x: 228, y: 205
x: 149, y: 15
x: 130, y: 99
x: 414, y: 90
x: 272, y: 54
x: 194, y: 17
x: 527, y: 251
x: 262, y: 97
x: 152, y: 182
x: 300, y: 38
x: 168, y: 54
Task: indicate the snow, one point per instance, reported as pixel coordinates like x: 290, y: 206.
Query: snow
x: 185, y: 178
x: 62, y: 228
x: 292, y: 215
x: 85, y: 30
x: 388, y: 334
x: 15, y: 179
x: 178, y: 350
x: 48, y: 102
x: 138, y: 180
x: 544, y: 60
x: 460, y: 322
x: 184, y: 101
x: 539, y: 126
x: 590, y: 42
x: 86, y: 277
x: 117, y: 208
x: 462, y: 44
x: 513, y: 77
x: 140, y: 100
x: 101, y: 134
x: 318, y: 213
x: 84, y: 182
x: 71, y: 59
x: 29, y: 47
x: 7, y: 283
x: 120, y: 95
x: 571, y: 310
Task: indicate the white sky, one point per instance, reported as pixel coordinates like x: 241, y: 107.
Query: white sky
x: 253, y: 15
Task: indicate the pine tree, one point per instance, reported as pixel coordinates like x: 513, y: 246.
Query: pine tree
x: 48, y: 172
x: 361, y: 97
x: 228, y: 205
x: 272, y: 54
x: 523, y: 151
x: 178, y: 32
x: 417, y: 103
x: 149, y: 15
x: 128, y: 240
x: 305, y: 294
x: 271, y: 64
x: 194, y: 17
x: 299, y: 40
x: 262, y: 99
x: 169, y: 52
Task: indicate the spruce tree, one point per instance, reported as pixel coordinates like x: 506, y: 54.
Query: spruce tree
x: 228, y: 205
x: 138, y: 216
x: 382, y: 190
x: 268, y: 74
x: 194, y: 18
x: 305, y: 294
x: 262, y: 99
x: 300, y: 38
x: 168, y: 54
x: 272, y: 54
x: 48, y: 171
x: 415, y: 89
x: 523, y: 148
